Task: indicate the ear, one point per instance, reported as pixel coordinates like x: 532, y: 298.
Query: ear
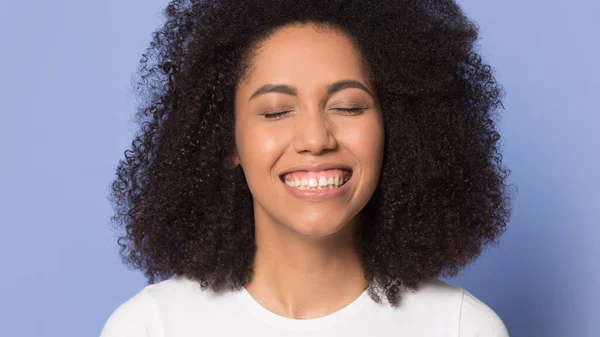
x: 232, y: 161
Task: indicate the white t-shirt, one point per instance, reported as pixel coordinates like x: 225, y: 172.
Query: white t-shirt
x: 180, y: 308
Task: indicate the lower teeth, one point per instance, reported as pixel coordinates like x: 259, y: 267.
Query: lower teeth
x: 317, y: 188
x: 329, y: 187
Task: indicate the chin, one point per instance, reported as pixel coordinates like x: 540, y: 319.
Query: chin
x: 317, y: 229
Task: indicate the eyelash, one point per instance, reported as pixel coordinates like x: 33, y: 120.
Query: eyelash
x: 278, y: 115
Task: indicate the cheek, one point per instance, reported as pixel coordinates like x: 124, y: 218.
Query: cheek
x: 258, y: 148
x: 366, y: 141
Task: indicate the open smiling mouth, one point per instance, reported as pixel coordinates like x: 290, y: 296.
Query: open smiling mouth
x: 317, y: 180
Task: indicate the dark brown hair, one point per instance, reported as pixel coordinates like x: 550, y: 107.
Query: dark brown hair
x: 442, y: 195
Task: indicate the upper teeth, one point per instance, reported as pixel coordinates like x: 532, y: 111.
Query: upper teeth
x: 303, y: 183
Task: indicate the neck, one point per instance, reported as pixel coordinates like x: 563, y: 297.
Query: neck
x: 300, y: 277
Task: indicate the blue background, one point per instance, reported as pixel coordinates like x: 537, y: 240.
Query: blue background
x: 67, y: 107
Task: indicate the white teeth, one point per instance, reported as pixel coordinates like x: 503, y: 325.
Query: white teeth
x: 314, y: 183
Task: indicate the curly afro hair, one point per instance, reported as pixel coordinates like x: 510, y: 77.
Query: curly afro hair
x: 442, y: 195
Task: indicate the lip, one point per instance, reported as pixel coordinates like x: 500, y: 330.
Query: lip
x: 313, y: 168
x: 317, y: 194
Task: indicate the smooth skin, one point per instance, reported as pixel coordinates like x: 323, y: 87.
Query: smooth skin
x: 306, y: 264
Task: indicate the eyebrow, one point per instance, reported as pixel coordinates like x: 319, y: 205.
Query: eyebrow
x: 289, y: 90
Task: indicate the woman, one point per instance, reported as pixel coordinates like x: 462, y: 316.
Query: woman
x: 310, y: 168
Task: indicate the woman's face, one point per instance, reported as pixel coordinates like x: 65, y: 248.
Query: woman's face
x: 309, y: 132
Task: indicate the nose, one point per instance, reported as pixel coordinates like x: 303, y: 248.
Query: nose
x: 313, y: 133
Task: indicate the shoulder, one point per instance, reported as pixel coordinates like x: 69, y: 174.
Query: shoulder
x: 478, y: 319
x: 167, y: 307
x: 142, y: 314
x: 453, y: 308
x: 136, y: 317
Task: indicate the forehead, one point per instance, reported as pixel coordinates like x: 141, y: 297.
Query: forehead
x: 302, y: 55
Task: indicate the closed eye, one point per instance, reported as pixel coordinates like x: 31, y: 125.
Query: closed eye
x: 281, y: 114
x: 353, y: 111
x: 275, y: 115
